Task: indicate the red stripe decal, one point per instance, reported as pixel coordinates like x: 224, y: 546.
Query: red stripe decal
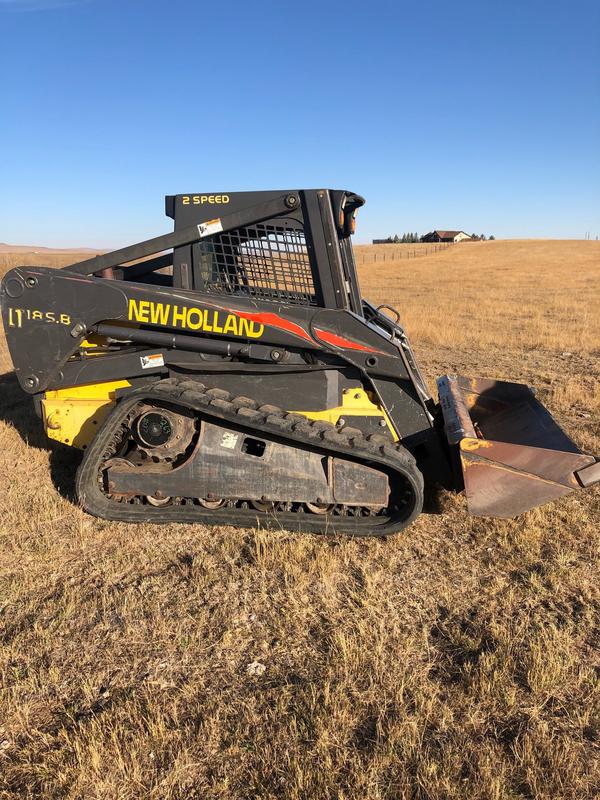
x: 340, y: 341
x: 275, y: 321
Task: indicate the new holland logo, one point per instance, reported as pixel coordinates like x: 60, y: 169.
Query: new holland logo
x: 194, y: 319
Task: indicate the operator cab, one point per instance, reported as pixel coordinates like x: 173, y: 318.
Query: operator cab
x: 301, y: 258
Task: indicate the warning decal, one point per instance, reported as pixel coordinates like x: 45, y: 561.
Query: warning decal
x: 150, y: 362
x: 210, y: 227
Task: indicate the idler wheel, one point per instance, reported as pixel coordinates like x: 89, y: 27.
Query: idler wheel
x: 263, y: 505
x: 217, y: 502
x: 320, y: 508
x: 158, y: 501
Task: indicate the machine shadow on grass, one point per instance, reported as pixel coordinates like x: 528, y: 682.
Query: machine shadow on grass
x: 16, y: 409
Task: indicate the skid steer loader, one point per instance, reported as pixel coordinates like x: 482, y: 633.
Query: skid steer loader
x: 230, y: 372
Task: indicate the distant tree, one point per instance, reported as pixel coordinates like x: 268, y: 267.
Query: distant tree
x: 396, y: 239
x: 482, y: 237
x: 474, y: 237
x: 491, y: 238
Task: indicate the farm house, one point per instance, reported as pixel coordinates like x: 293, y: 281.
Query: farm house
x: 446, y: 236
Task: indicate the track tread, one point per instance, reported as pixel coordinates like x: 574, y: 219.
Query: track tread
x: 271, y: 420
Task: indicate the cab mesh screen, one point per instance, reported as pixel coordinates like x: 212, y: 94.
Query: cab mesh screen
x: 262, y: 261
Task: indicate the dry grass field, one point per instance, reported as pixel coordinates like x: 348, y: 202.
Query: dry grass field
x: 459, y: 660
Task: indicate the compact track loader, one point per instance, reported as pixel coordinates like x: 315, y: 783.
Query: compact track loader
x: 240, y: 378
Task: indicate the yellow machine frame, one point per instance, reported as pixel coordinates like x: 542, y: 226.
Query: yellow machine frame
x: 72, y: 416
x: 355, y: 403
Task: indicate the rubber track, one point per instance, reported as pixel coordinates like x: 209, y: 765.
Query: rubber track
x: 273, y: 422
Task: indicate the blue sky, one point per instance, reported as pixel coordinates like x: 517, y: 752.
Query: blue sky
x: 476, y: 115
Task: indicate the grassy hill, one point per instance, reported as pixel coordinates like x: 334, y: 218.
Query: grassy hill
x: 458, y: 660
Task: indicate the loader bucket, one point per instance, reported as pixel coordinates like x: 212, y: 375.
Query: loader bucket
x: 513, y: 454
